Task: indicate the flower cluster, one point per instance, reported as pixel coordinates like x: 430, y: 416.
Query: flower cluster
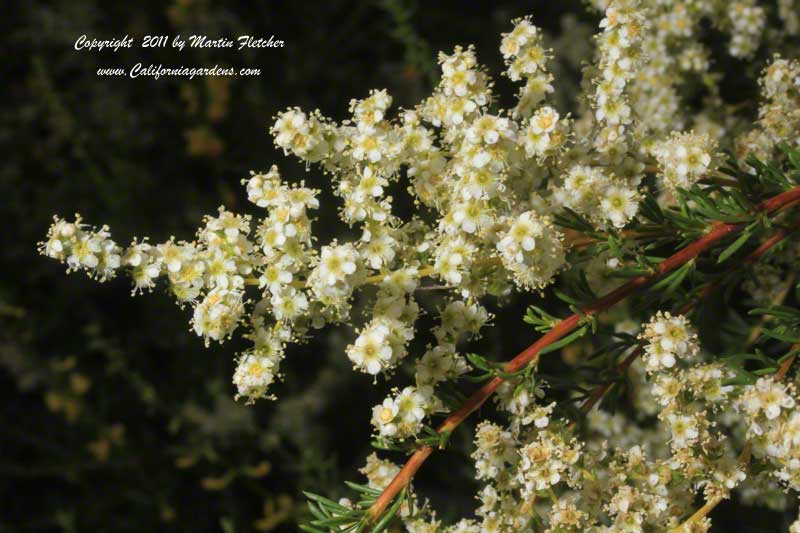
x: 516, y: 465
x: 790, y: 15
x: 401, y: 416
x: 669, y: 339
x: 693, y: 398
x: 545, y: 134
x: 379, y: 472
x: 495, y: 192
x: 545, y: 462
x: 779, y: 113
x: 493, y: 179
x: 83, y: 248
x: 621, y: 474
x: 526, y: 58
x: 381, y: 345
x: 747, y: 21
x: 603, y: 199
x: 684, y: 159
x: 773, y: 427
x: 532, y: 249
x: 620, y: 50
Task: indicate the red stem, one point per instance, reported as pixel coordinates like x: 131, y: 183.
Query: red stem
x: 597, y: 394
x: 718, y: 232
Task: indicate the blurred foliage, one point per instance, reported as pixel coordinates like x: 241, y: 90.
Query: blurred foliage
x: 114, y: 416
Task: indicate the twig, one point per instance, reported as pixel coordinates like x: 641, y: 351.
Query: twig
x: 597, y: 394
x: 785, y: 366
x: 600, y: 391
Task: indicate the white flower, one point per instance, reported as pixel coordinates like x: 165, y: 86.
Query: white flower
x: 684, y: 159
x: 412, y: 404
x: 668, y: 338
x: 371, y: 351
x: 531, y: 249
x: 253, y: 375
x: 218, y: 315
x: 379, y: 472
x: 684, y: 430
x: 336, y: 263
x: 289, y: 304
x: 383, y: 417
x: 619, y: 204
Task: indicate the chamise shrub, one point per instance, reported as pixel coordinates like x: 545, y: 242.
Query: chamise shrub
x: 631, y: 211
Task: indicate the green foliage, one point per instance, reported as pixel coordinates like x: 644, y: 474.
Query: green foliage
x: 333, y: 517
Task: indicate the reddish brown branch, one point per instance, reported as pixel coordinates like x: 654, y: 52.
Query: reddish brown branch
x: 717, y: 232
x: 601, y: 390
x: 787, y: 364
x: 784, y: 368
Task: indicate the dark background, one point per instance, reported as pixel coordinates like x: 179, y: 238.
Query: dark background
x: 114, y: 416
